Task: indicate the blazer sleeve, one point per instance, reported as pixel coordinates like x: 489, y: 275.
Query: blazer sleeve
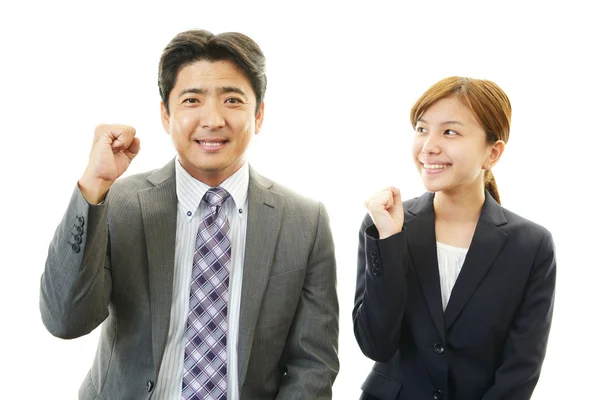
x: 380, y: 298
x: 312, y: 342
x: 76, y: 282
x: 525, y: 346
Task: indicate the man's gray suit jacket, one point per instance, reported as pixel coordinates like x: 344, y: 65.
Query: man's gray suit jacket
x: 112, y: 264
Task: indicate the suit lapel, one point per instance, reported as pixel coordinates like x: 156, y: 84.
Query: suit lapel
x: 487, y: 242
x: 159, y: 215
x: 420, y: 231
x: 265, y: 209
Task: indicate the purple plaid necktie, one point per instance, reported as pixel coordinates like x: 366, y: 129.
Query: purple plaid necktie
x: 205, y: 362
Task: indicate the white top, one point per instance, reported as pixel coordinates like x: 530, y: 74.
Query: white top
x: 190, y: 211
x: 450, y: 262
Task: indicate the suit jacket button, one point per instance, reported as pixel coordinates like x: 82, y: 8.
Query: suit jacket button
x: 439, y: 348
x: 79, y: 230
x: 149, y: 386
x: 373, y: 253
x: 376, y: 271
x: 75, y: 247
x: 77, y: 239
x: 80, y: 221
x: 437, y: 395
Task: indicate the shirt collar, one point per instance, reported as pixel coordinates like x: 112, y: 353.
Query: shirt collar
x: 190, y: 191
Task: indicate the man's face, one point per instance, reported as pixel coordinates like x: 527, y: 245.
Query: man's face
x: 211, y: 119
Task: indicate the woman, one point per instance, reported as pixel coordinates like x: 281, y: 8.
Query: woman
x: 454, y: 293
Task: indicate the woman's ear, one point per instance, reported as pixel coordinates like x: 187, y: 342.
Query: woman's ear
x: 495, y: 152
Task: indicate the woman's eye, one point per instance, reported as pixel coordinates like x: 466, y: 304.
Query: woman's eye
x: 451, y: 132
x: 420, y: 129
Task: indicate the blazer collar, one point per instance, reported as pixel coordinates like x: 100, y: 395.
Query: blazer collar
x: 163, y: 174
x: 491, y: 210
x: 262, y: 181
x: 265, y: 211
x: 159, y: 214
x: 158, y: 205
x: 420, y: 235
x: 422, y: 204
x: 487, y: 242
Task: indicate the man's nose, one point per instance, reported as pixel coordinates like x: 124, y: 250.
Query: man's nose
x: 212, y: 116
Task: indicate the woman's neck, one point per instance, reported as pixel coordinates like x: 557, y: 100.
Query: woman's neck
x: 461, y: 205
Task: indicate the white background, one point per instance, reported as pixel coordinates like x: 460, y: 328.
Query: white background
x: 341, y: 80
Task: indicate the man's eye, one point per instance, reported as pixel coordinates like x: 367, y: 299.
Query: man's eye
x: 233, y: 100
x: 190, y: 100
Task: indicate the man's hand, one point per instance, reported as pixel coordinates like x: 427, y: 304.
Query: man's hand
x: 112, y: 151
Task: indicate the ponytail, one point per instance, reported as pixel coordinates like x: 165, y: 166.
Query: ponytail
x: 490, y: 185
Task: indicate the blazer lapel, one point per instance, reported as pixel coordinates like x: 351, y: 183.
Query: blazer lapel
x: 265, y: 209
x: 159, y: 215
x: 420, y: 231
x: 487, y: 242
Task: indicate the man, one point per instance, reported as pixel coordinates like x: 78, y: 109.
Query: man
x: 212, y: 281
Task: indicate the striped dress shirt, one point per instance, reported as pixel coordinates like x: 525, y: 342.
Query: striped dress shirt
x: 190, y: 211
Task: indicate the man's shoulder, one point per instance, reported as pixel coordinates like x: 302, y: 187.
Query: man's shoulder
x: 126, y: 188
x: 295, y: 203
x: 131, y: 183
x: 128, y: 185
x: 289, y: 195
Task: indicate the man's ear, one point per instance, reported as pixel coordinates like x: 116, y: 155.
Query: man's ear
x: 259, y: 118
x: 165, y: 117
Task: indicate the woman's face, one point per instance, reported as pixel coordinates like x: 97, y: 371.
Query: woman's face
x: 450, y: 148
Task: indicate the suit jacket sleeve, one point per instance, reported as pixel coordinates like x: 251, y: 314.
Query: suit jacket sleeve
x: 76, y: 283
x: 312, y: 343
x: 380, y: 297
x: 526, y: 342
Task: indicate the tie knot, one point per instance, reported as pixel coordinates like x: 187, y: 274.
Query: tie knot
x: 215, y: 197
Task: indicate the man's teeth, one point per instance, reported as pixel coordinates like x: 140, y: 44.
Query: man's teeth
x: 211, y: 144
x: 435, y: 166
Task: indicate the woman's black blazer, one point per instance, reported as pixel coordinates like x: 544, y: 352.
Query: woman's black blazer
x: 489, y: 343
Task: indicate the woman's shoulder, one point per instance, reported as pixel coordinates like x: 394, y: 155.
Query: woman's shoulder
x: 523, y: 227
x: 424, y: 198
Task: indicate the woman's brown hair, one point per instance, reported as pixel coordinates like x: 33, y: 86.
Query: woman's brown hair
x: 487, y: 101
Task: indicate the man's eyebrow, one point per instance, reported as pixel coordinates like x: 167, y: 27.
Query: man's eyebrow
x: 192, y: 91
x: 223, y: 89
x: 231, y: 89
